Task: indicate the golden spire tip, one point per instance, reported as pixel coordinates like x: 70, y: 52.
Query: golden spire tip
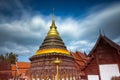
x: 53, y: 15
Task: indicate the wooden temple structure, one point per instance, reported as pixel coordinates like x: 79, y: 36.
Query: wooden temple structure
x: 53, y: 61
x: 104, y: 53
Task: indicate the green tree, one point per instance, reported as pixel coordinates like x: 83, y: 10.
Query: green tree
x: 2, y: 57
x: 9, y: 57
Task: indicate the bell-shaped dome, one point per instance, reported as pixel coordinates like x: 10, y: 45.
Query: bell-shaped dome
x: 53, y: 42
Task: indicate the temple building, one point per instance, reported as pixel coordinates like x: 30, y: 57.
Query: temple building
x: 53, y: 61
x: 20, y: 71
x: 5, y: 70
x: 17, y: 71
x: 104, y: 63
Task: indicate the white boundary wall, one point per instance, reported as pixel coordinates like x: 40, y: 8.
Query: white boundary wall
x: 108, y: 70
x: 93, y: 77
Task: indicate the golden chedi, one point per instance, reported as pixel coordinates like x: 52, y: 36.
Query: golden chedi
x: 53, y: 42
x: 53, y: 61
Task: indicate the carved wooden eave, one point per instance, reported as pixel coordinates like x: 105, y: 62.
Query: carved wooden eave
x: 107, y: 40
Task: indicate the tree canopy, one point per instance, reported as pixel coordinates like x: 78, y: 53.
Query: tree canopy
x: 9, y: 57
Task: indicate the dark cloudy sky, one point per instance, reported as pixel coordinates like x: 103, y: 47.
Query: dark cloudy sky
x: 25, y: 23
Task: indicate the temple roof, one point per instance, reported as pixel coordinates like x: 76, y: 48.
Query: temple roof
x: 20, y: 68
x: 80, y: 59
x: 23, y: 65
x: 52, y: 42
x: 104, y: 38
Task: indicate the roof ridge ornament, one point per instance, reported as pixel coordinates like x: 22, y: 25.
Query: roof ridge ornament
x: 104, y: 33
x: 101, y: 32
x: 53, y: 20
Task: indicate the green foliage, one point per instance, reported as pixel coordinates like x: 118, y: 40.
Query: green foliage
x: 9, y: 57
x: 2, y: 57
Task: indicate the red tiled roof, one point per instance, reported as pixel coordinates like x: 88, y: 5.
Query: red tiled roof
x: 80, y: 59
x: 13, y: 67
x: 14, y: 70
x: 20, y: 68
x: 23, y: 65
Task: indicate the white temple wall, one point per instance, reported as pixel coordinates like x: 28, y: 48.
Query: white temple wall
x: 107, y: 71
x: 93, y: 77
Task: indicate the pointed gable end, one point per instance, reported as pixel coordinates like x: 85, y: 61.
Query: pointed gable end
x: 104, y: 39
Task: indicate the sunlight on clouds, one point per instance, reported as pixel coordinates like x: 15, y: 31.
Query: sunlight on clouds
x: 81, y: 45
x: 38, y: 21
x: 70, y: 27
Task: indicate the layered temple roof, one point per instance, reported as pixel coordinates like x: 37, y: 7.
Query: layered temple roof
x: 80, y: 59
x: 53, y: 42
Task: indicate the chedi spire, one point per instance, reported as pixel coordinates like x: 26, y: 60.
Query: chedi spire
x: 52, y: 42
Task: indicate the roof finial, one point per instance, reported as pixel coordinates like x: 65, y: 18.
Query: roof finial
x: 53, y: 29
x: 100, y: 32
x: 53, y: 21
x: 53, y: 15
x: 103, y: 33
